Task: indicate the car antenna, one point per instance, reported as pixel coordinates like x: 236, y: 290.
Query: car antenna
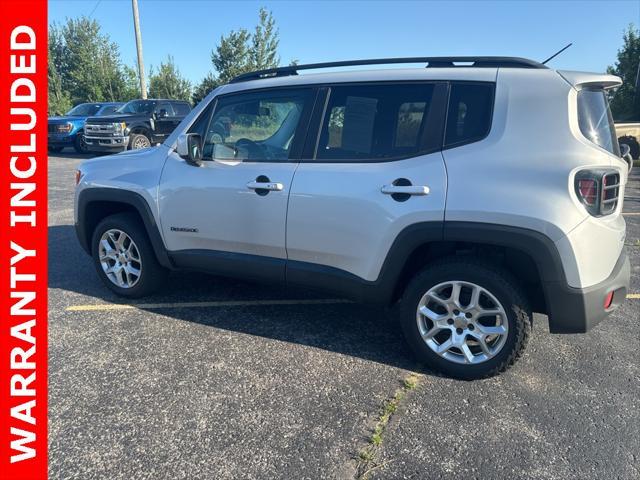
x: 556, y: 54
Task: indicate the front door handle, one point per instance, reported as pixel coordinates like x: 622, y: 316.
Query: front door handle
x: 405, y: 189
x: 271, y: 186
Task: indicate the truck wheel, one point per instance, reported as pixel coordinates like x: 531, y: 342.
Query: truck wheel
x: 138, y: 141
x: 79, y: 144
x: 465, y: 318
x: 124, y: 258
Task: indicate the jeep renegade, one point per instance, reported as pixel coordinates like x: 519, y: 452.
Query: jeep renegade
x: 467, y: 194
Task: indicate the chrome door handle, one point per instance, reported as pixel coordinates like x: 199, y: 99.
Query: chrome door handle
x: 406, y: 189
x: 273, y: 186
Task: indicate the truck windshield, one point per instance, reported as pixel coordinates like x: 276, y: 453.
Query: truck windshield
x: 84, y: 110
x: 595, y: 120
x: 137, y: 106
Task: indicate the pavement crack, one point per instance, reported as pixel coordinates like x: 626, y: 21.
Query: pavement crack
x: 367, y: 459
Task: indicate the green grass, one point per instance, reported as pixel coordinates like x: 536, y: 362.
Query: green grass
x: 368, y: 454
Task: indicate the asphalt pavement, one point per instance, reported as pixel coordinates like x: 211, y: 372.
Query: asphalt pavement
x: 265, y: 383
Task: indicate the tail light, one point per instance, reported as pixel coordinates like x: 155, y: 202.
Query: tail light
x: 598, y: 190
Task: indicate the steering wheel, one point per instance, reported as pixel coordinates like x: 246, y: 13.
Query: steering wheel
x: 253, y: 149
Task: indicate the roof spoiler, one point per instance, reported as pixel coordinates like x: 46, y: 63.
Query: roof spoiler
x: 583, y: 79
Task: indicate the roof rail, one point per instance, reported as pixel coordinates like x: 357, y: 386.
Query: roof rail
x: 432, y: 62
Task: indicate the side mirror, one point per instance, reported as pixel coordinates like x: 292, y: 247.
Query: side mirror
x: 189, y: 147
x: 625, y: 153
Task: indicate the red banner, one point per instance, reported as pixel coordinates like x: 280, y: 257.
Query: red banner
x: 23, y: 239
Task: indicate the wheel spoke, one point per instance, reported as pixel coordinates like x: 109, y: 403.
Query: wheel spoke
x: 433, y: 296
x: 468, y: 354
x: 455, y: 293
x: 444, y: 346
x: 475, y: 297
x: 497, y: 330
x: 430, y: 314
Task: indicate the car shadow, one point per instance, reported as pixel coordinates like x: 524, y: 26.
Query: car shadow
x: 351, y: 329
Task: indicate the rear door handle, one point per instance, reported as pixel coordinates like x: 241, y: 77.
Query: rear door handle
x: 405, y: 189
x: 273, y: 186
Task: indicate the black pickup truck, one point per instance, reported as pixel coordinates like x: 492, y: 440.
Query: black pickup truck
x: 137, y: 124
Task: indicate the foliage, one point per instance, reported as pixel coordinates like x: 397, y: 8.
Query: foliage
x: 84, y: 65
x: 168, y: 83
x: 59, y: 99
x: 625, y: 103
x: 209, y: 83
x: 240, y: 52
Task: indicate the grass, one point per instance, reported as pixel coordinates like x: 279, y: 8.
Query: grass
x: 367, y: 455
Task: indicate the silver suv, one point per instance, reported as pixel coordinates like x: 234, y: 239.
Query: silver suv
x: 466, y: 195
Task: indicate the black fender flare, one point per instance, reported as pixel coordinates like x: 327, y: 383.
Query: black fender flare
x: 129, y: 198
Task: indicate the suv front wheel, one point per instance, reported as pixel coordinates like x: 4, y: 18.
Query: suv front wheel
x: 124, y: 258
x: 466, y: 318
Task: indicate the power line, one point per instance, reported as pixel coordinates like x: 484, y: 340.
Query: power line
x: 94, y: 8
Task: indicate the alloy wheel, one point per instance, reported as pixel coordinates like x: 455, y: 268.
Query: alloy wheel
x: 120, y: 258
x: 462, y: 322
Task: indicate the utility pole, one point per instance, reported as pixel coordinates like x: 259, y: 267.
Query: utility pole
x: 136, y: 27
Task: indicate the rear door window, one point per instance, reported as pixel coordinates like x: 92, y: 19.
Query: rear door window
x: 596, y: 121
x: 375, y: 122
x: 469, y: 114
x: 181, y: 109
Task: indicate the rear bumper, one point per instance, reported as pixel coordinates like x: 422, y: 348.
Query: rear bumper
x: 577, y: 310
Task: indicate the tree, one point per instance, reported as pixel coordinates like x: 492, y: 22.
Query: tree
x: 85, y: 64
x: 241, y: 52
x: 168, y: 83
x: 131, y: 89
x: 209, y: 83
x: 625, y: 103
x: 59, y: 99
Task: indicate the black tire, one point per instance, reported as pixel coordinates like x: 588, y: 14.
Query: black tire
x: 137, y: 139
x: 79, y: 144
x: 152, y: 274
x: 499, y: 283
x: 55, y: 149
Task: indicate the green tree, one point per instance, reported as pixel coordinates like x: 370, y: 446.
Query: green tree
x: 91, y: 69
x: 240, y: 52
x: 131, y: 89
x: 169, y: 83
x: 59, y: 99
x: 209, y: 83
x: 625, y: 102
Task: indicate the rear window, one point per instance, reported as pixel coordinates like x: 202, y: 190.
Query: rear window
x: 375, y: 122
x: 469, y: 115
x: 595, y: 120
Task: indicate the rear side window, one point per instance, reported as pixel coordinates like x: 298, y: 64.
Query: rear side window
x: 374, y: 122
x: 470, y: 112
x: 181, y: 109
x: 595, y: 120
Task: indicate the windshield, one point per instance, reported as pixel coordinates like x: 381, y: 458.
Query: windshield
x: 108, y: 110
x: 137, y: 106
x: 84, y: 110
x: 596, y: 122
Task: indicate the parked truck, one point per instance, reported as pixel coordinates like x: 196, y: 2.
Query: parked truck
x: 137, y: 124
x: 629, y: 134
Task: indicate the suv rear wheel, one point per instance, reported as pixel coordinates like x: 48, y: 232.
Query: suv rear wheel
x: 466, y: 318
x: 124, y: 258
